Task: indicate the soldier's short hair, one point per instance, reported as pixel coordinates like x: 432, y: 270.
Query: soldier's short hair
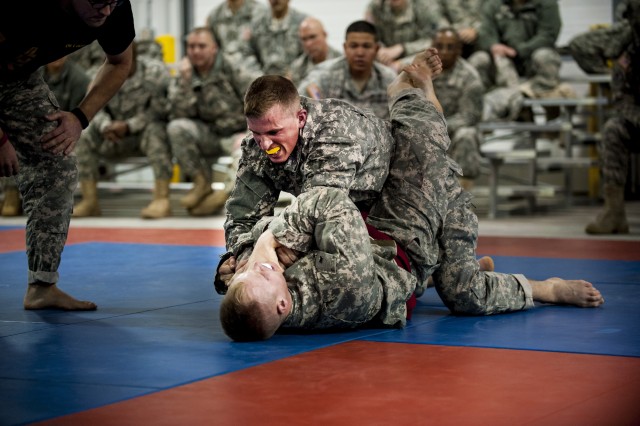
x: 449, y: 30
x: 199, y: 30
x: 363, y: 27
x: 244, y: 319
x: 267, y: 91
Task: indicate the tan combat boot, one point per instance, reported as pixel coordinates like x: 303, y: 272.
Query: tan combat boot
x: 12, y: 205
x: 201, y: 188
x: 89, y: 205
x: 613, y: 219
x: 160, y: 206
x: 213, y: 203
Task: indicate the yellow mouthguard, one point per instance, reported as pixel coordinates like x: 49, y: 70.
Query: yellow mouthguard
x: 273, y: 150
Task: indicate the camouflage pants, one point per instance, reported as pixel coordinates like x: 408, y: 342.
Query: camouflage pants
x: 425, y: 210
x: 152, y: 143
x: 465, y: 150
x: 619, y: 137
x: 592, y: 49
x: 45, y: 181
x: 506, y: 72
x: 196, y: 146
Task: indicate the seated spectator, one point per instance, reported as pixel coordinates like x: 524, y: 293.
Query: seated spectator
x: 231, y: 24
x: 274, y: 40
x: 316, y: 49
x: 148, y: 46
x: 464, y: 17
x: 133, y: 123
x: 460, y: 92
x: 405, y: 27
x: 592, y: 50
x: 509, y: 35
x: 206, y: 118
x: 356, y: 77
x: 90, y: 58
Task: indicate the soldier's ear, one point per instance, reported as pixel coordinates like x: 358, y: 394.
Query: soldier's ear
x: 302, y: 117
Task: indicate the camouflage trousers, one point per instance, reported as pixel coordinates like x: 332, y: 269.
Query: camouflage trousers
x: 425, y: 210
x: 196, y: 146
x: 45, y: 181
x: 506, y: 72
x: 465, y: 150
x: 592, y: 49
x: 620, y: 136
x: 152, y: 142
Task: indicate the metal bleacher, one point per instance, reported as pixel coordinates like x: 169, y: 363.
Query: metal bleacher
x: 527, y: 148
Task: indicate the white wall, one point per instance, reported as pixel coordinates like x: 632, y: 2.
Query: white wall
x: 164, y: 16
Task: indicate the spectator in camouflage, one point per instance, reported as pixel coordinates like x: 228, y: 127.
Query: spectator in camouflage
x: 356, y: 77
x: 460, y: 92
x: 621, y: 133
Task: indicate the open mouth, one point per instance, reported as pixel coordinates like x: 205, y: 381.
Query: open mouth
x: 267, y: 265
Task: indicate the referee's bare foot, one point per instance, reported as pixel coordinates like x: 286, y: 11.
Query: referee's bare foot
x: 567, y: 292
x: 51, y: 297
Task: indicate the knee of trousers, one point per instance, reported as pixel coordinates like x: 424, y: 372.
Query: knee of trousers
x: 180, y: 129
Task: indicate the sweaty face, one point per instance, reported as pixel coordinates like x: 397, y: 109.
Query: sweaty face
x: 360, y: 49
x: 201, y: 50
x: 277, y: 131
x: 449, y: 48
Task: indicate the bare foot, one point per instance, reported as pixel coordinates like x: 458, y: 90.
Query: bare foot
x: 420, y: 74
x: 51, y: 297
x: 567, y: 292
x: 431, y: 59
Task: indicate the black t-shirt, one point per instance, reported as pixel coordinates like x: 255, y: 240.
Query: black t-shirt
x: 36, y: 32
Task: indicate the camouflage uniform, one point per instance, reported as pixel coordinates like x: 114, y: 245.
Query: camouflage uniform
x: 532, y: 26
x: 232, y: 31
x: 276, y: 44
x: 372, y: 289
x: 340, y: 146
x: 414, y: 28
x: 303, y: 65
x: 427, y: 213
x: 206, y: 114
x: 345, y: 279
x: 333, y: 80
x: 46, y: 181
x: 592, y: 49
x: 621, y: 133
x: 142, y: 103
x: 461, y: 14
x: 89, y: 58
x: 69, y: 88
x: 460, y: 92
